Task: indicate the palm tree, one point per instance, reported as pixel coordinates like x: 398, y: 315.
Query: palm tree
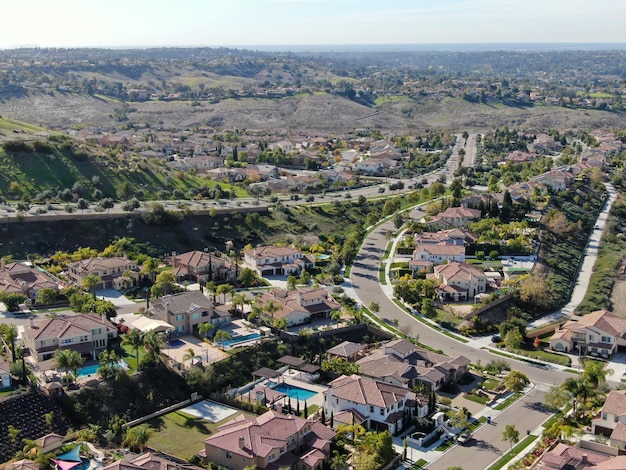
x: 154, y: 342
x: 205, y: 328
x: 108, y: 359
x: 149, y: 267
x: 90, y: 282
x: 189, y: 355
x: 134, y: 339
x: 336, y: 315
x: 239, y: 300
x: 68, y: 360
x: 136, y: 438
x: 271, y: 308
x: 222, y: 336
x: 595, y: 373
x: 280, y: 323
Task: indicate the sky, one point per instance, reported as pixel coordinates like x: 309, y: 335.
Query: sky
x: 239, y: 23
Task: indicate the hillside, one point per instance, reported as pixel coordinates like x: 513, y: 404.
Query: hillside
x: 298, y: 224
x: 320, y: 111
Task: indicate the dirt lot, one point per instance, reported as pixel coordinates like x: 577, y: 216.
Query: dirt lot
x: 618, y: 298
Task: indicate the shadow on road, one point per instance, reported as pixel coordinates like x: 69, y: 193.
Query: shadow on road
x: 485, y: 446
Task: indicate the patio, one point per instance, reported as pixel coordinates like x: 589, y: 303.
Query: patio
x: 178, y: 347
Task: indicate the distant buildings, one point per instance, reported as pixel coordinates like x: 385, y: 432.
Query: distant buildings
x: 277, y: 261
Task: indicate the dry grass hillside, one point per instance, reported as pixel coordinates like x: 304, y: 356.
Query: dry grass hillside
x: 320, y: 112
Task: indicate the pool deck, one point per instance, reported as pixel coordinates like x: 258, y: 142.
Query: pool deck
x: 315, y: 400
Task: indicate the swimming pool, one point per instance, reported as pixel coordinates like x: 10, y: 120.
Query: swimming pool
x: 292, y: 391
x: 240, y: 339
x: 92, y: 369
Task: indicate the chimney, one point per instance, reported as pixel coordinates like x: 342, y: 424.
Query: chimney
x: 242, y: 442
x: 104, y: 318
x: 584, y: 458
x: 31, y: 322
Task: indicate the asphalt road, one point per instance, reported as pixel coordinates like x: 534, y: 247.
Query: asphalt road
x: 487, y: 445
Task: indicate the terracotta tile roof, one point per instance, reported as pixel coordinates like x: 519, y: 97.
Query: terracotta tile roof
x: 563, y: 455
x: 615, y: 403
x: 152, y: 461
x: 23, y: 464
x: 603, y: 320
x: 67, y: 325
x: 263, y: 434
x: 348, y: 417
x: 619, y: 433
x: 270, y: 251
x: 96, y: 264
x: 457, y: 270
x: 366, y: 391
x: 616, y: 463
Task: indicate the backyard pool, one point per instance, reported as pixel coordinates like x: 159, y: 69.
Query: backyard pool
x: 240, y: 339
x: 292, y: 391
x: 92, y: 369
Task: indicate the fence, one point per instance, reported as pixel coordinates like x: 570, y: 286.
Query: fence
x: 163, y: 411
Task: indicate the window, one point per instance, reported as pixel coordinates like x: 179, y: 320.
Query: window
x: 606, y: 339
x: 604, y: 416
x: 616, y: 418
x: 272, y: 457
x: 382, y: 411
x: 229, y: 455
x: 371, y: 409
x: 591, y: 338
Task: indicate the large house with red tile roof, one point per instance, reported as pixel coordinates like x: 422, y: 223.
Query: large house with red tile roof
x: 201, y: 267
x: 439, y: 253
x: 186, y: 310
x: 277, y: 260
x: 150, y: 461
x: 297, y: 306
x: 459, y: 281
x: 455, y: 217
x: 611, y: 420
x: 579, y: 457
x: 271, y: 441
x: 598, y: 333
x: 20, y: 278
x: 385, y: 407
x: 401, y: 363
x: 117, y: 272
x: 86, y: 334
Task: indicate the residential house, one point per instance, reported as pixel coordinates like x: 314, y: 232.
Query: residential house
x: 455, y: 217
x: 297, y: 306
x: 459, y: 281
x: 545, y: 144
x: 384, y: 149
x: 186, y: 310
x: 373, y: 166
x: 23, y: 464
x: 277, y: 260
x: 86, y: 334
x: 117, y: 272
x: 583, y: 456
x: 557, y: 180
x: 518, y: 156
x: 452, y: 236
x: 151, y: 461
x: 5, y: 374
x: 439, y: 253
x: 385, y: 407
x: 272, y: 441
x: 50, y: 442
x: 611, y: 420
x: 598, y: 334
x: 20, y: 278
x: 401, y: 363
x: 201, y: 267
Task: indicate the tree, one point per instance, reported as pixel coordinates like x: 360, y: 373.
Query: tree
x: 510, y: 434
x: 189, y: 355
x: 460, y: 419
x: 90, y: 282
x: 12, y: 300
x: 134, y: 339
x: 82, y: 204
x: 153, y: 343
x: 149, y: 267
x: 108, y: 359
x: 513, y: 339
x: 107, y: 203
x: 247, y: 277
x: 239, y: 300
x: 13, y: 433
x: 46, y: 296
x: 221, y: 337
x: 205, y: 328
x: 516, y: 381
x: 136, y: 438
x: 10, y: 335
x: 69, y: 361
x: 224, y: 289
x: 374, y: 306
x: 291, y: 282
x: 165, y: 284
x: 556, y: 398
x: 595, y: 373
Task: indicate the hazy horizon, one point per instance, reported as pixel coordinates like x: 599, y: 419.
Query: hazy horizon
x: 296, y: 23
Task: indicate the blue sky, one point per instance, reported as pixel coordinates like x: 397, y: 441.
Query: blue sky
x: 115, y: 23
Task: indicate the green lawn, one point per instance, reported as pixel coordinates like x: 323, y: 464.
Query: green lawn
x: 513, y: 453
x: 128, y: 354
x: 508, y: 402
x: 477, y: 398
x: 490, y: 384
x: 180, y: 434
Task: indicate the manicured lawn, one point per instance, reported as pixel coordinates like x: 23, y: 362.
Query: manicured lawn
x: 513, y: 453
x: 477, y: 398
x: 508, y: 402
x: 180, y: 434
x: 490, y: 384
x: 128, y: 354
x: 545, y: 356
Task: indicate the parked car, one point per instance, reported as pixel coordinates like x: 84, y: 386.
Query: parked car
x: 464, y: 438
x: 496, y: 339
